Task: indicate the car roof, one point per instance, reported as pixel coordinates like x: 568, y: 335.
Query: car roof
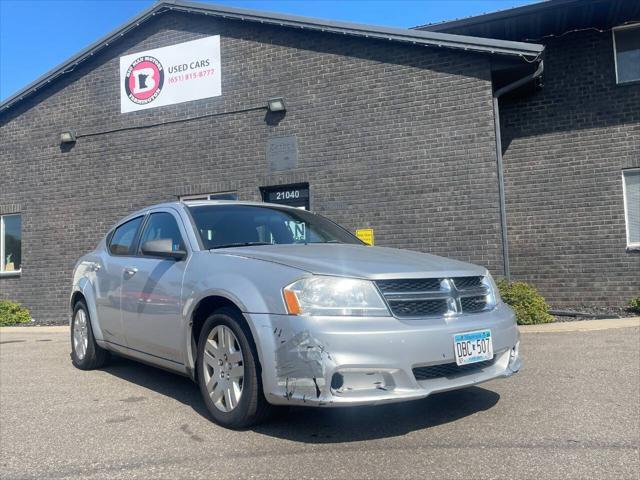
x: 196, y: 203
x: 199, y: 203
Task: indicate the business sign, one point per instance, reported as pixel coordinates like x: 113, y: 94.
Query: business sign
x: 293, y: 195
x: 164, y: 76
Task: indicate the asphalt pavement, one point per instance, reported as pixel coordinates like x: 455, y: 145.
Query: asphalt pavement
x: 572, y: 412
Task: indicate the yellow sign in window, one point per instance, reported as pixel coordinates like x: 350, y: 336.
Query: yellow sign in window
x: 366, y: 235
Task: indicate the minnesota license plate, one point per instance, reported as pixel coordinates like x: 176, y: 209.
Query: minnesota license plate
x: 472, y: 347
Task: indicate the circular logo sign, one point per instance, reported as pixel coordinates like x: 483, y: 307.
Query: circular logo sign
x: 144, y: 79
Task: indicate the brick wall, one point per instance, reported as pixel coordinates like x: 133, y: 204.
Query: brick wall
x: 394, y: 137
x: 564, y: 149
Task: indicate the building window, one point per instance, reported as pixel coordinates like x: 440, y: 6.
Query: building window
x: 631, y: 190
x: 10, y: 243
x: 626, y: 46
x: 212, y: 196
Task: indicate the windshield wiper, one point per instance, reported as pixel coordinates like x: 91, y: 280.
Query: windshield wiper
x: 240, y: 244
x: 320, y: 243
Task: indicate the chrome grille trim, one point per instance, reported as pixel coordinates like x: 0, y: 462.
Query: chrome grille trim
x: 473, y: 292
x: 428, y: 297
x: 411, y: 296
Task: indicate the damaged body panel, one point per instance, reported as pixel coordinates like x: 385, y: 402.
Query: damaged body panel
x: 299, y: 359
x: 301, y: 356
x: 372, y: 360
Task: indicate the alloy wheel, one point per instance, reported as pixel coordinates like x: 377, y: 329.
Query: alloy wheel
x: 80, y: 334
x: 223, y: 368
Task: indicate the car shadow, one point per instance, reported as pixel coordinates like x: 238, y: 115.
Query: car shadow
x: 160, y: 381
x: 319, y: 425
x: 354, y: 424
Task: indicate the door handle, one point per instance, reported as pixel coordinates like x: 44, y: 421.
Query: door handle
x: 130, y: 272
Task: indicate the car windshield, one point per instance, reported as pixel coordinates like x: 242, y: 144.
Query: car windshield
x: 221, y: 226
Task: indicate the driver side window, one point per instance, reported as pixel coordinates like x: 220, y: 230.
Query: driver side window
x: 162, y: 226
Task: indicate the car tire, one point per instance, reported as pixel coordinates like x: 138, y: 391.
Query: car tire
x: 231, y: 401
x: 86, y: 354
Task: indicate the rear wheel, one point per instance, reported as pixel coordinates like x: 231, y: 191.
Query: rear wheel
x: 85, y: 352
x: 229, y: 372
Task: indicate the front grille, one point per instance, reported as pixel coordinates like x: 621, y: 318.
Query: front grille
x: 425, y: 297
x: 449, y: 370
x: 409, y: 285
x: 464, y: 283
x: 418, y: 308
x: 473, y: 304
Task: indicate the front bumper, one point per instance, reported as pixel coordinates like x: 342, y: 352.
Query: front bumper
x: 374, y: 357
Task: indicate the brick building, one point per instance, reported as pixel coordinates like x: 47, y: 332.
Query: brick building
x: 389, y: 129
x: 571, y: 147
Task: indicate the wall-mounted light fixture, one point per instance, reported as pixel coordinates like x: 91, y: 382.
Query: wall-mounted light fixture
x: 276, y: 104
x: 68, y: 136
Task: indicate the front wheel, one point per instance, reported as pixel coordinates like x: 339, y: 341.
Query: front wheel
x: 228, y: 371
x: 85, y: 352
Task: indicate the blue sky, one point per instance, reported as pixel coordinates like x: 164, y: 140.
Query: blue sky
x: 37, y: 35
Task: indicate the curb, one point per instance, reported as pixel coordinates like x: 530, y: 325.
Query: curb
x: 582, y: 325
x: 36, y: 329
x: 577, y: 326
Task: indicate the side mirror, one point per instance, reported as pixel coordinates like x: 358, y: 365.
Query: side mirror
x: 163, y: 248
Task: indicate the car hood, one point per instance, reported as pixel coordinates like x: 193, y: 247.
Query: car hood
x: 357, y: 261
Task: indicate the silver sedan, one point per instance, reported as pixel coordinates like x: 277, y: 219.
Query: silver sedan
x: 266, y: 305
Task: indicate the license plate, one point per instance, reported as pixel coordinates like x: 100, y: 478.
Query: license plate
x: 472, y: 347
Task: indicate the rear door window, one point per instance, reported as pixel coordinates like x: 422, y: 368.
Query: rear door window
x: 123, y: 237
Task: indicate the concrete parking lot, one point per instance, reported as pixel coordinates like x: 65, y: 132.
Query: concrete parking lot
x: 573, y: 412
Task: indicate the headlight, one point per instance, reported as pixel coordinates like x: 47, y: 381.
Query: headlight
x: 493, y: 297
x: 334, y: 296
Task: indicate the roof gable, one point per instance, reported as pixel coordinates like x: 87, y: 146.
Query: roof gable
x: 526, y: 51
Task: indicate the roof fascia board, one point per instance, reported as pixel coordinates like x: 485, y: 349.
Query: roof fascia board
x: 495, y: 16
x: 485, y: 45
x: 415, y: 37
